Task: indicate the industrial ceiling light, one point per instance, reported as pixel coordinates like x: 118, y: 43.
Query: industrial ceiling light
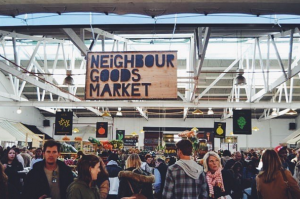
x: 274, y: 112
x: 292, y: 112
x: 75, y: 130
x: 197, y: 112
x: 119, y: 113
x: 210, y: 111
x: 106, y: 114
x: 19, y: 111
x: 68, y: 81
x: 134, y: 134
x: 240, y: 80
x: 194, y: 129
x: 142, y: 131
x: 255, y: 128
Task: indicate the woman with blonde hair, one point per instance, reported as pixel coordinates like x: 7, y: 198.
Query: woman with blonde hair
x: 271, y: 181
x: 133, y: 180
x: 220, y: 182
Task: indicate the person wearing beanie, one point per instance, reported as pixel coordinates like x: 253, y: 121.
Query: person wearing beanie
x: 113, y: 171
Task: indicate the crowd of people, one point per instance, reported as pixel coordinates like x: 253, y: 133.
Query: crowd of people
x: 272, y: 173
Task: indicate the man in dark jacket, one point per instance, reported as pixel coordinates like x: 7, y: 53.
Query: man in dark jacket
x: 113, y: 170
x: 161, y: 166
x: 50, y: 177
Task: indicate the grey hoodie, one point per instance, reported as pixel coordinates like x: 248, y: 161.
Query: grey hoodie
x: 191, y: 168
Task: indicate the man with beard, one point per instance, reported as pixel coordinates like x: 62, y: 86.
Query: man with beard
x: 185, y: 179
x: 50, y: 177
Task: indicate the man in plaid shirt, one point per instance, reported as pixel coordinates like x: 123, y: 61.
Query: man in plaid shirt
x: 185, y: 179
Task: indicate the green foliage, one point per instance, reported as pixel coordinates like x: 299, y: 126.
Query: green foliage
x: 241, y: 122
x: 117, y: 144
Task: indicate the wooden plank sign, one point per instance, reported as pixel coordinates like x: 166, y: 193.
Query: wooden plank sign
x: 131, y: 75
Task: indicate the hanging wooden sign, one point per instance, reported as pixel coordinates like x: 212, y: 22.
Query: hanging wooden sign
x: 242, y: 122
x: 131, y: 75
x: 63, y: 123
x: 101, y: 129
x: 220, y: 129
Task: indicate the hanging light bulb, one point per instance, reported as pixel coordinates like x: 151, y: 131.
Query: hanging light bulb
x: 292, y: 112
x: 255, y: 128
x: 119, y: 113
x: 19, y: 111
x: 197, y: 112
x: 210, y: 111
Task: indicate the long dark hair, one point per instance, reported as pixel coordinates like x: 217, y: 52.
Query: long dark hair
x: 271, y: 164
x: 4, y: 160
x: 3, y: 183
x: 83, y: 167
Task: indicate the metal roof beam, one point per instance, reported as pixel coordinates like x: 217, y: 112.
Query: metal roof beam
x: 276, y: 83
x: 76, y: 40
x: 166, y: 104
x: 142, y: 113
x: 47, y: 87
x: 107, y: 34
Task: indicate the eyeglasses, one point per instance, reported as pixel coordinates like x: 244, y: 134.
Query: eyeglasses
x: 54, y: 177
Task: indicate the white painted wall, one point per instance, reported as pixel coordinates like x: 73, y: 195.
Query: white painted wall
x: 270, y: 133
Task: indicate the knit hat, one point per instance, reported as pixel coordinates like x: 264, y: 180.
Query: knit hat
x: 278, y: 148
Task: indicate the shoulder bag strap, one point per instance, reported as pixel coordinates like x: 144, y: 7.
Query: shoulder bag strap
x: 284, y: 178
x: 130, y: 187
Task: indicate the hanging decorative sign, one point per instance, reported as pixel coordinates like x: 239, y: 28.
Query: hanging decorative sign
x: 120, y: 134
x: 220, y: 129
x: 242, y: 122
x: 131, y: 75
x: 101, y: 129
x: 63, y: 123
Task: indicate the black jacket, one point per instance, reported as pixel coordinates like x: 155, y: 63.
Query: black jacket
x: 113, y: 170
x: 139, y: 180
x: 36, y: 183
x: 162, y: 168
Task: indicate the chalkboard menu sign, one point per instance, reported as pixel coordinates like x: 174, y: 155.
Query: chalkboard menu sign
x: 129, y: 141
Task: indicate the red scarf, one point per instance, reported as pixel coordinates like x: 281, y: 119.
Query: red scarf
x: 214, y: 180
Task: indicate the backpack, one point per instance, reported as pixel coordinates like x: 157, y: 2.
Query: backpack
x: 136, y: 195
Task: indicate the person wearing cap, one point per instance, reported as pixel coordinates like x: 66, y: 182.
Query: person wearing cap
x: 282, y: 152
